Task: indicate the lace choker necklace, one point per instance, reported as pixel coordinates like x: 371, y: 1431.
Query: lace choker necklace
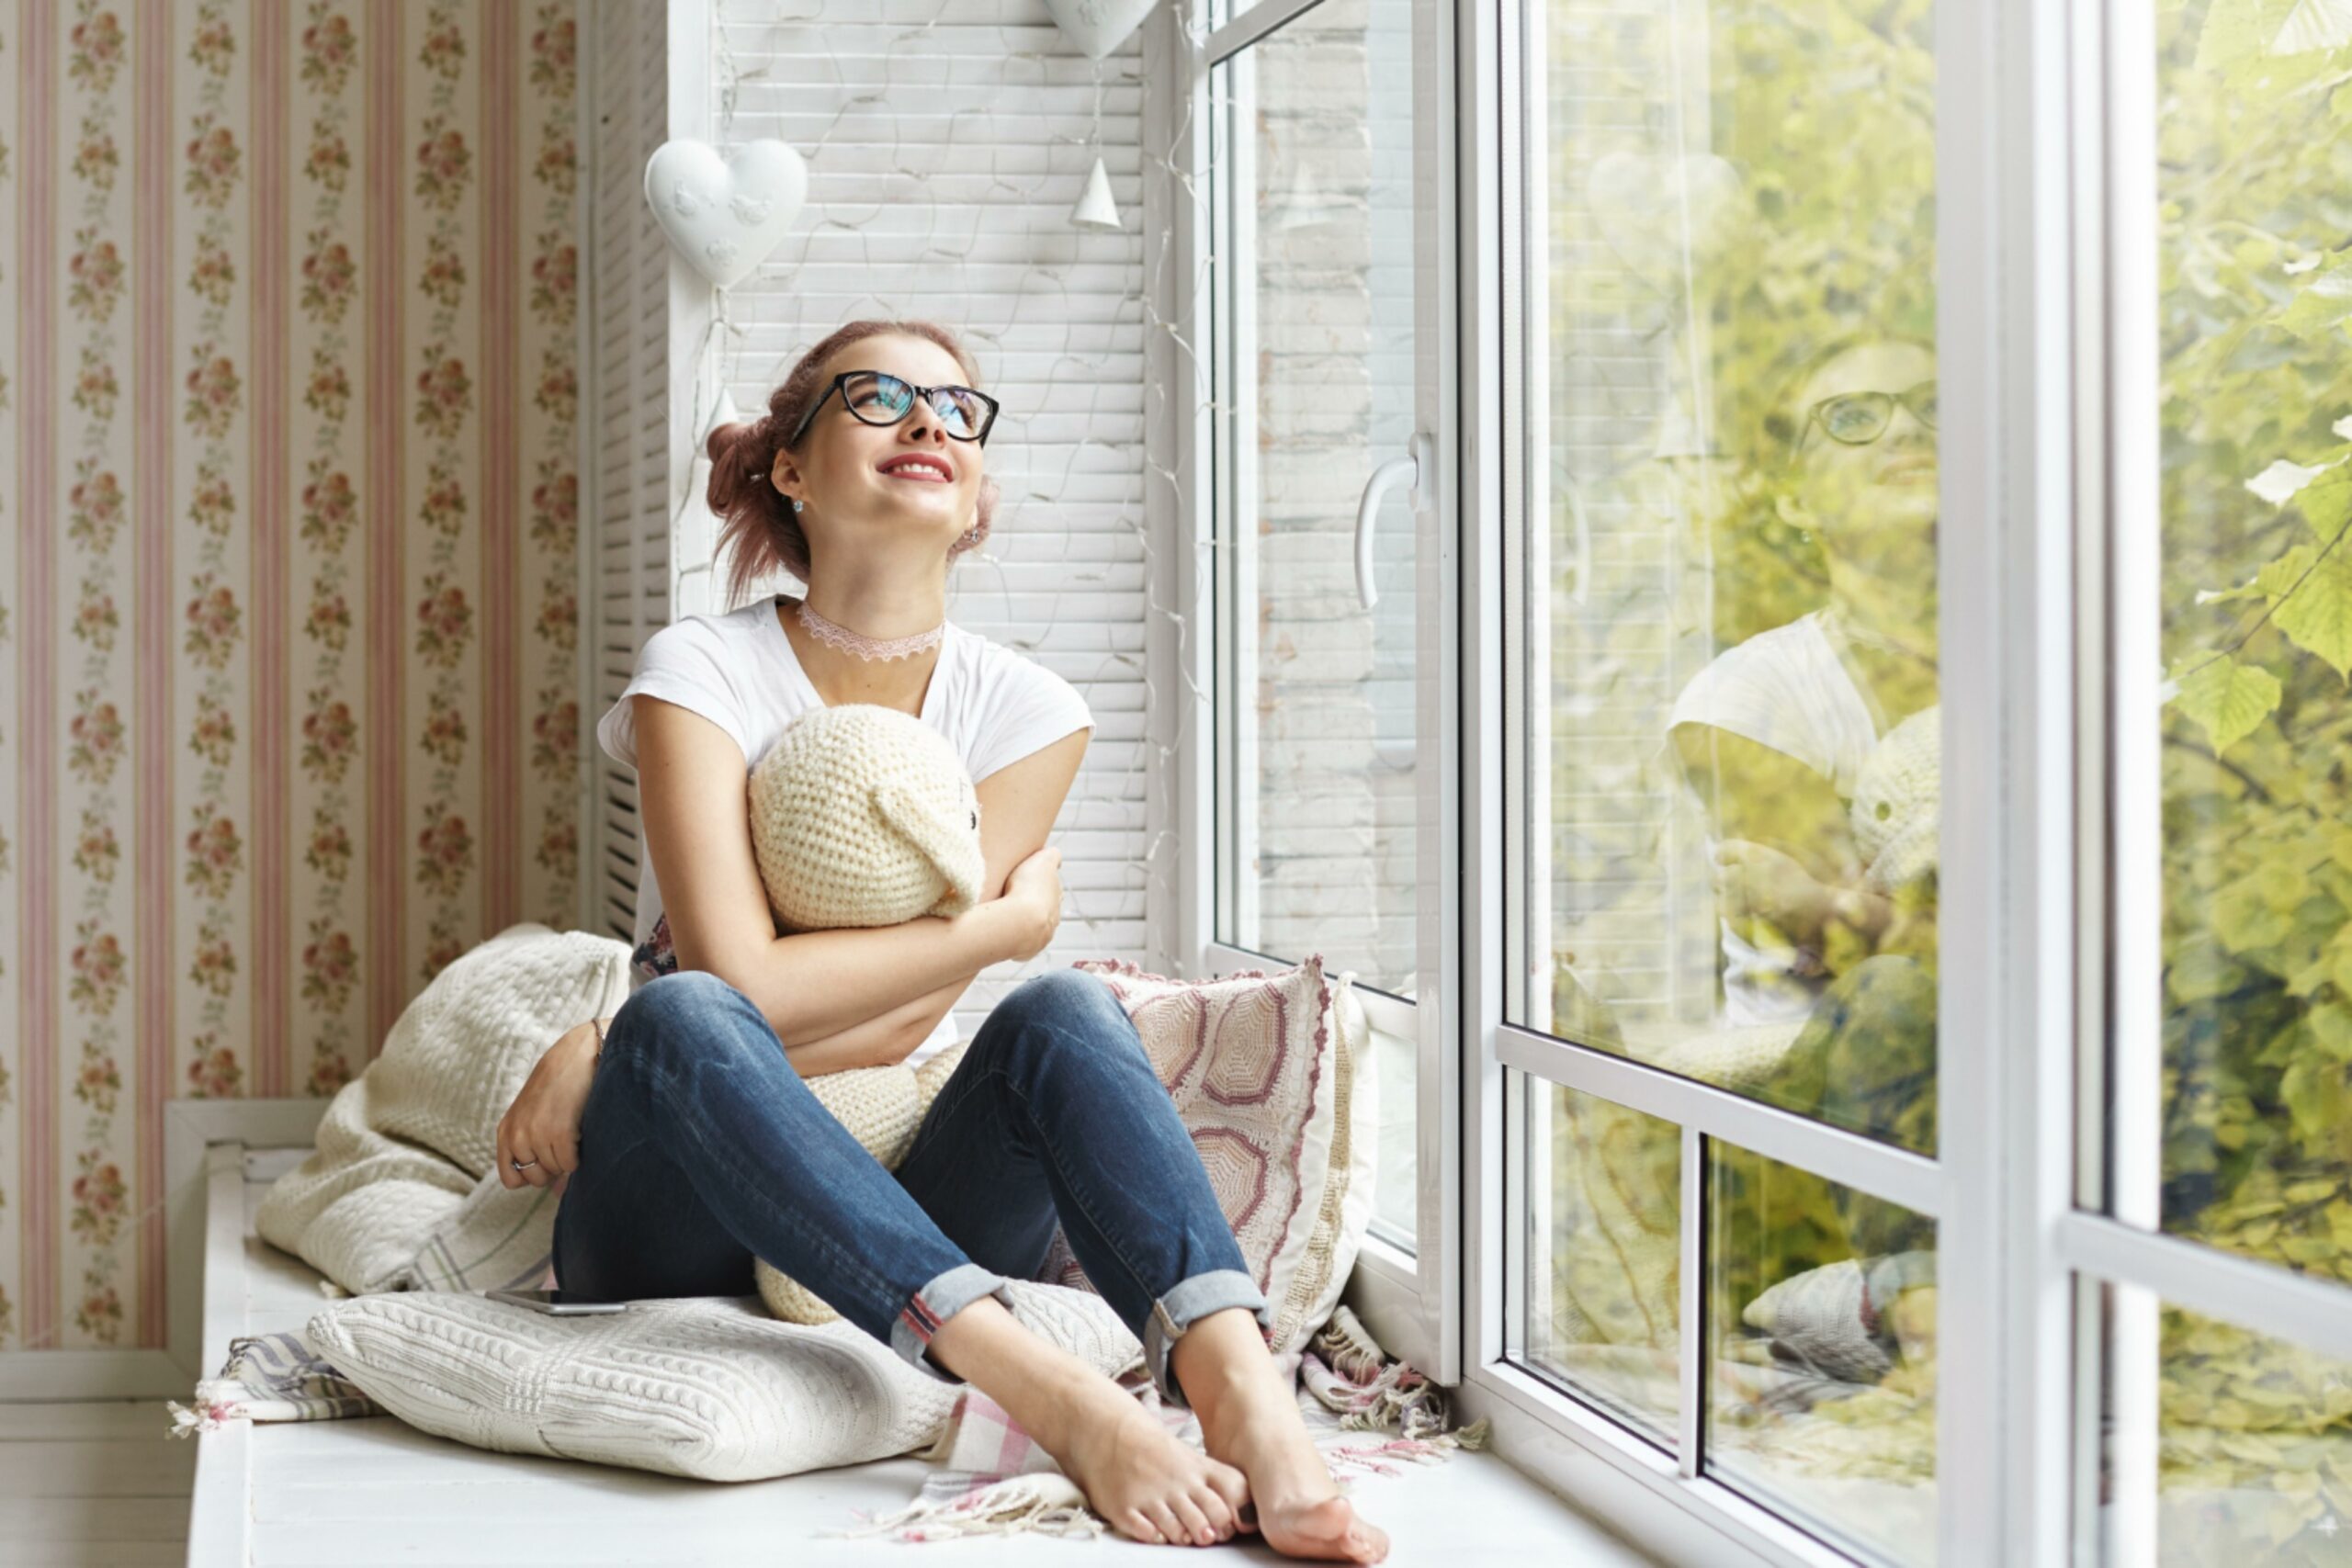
x: 858, y: 645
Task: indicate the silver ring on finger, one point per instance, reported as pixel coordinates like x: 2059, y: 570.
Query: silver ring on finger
x: 520, y: 1164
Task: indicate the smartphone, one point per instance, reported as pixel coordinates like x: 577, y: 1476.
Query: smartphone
x: 555, y: 1303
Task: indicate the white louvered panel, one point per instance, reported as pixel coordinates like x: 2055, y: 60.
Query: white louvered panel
x: 629, y: 573
x: 947, y: 141
x: 1630, y: 895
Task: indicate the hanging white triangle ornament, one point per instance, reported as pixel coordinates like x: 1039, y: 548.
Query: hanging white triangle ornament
x: 1095, y: 209
x: 725, y: 214
x: 1098, y: 26
x: 696, y: 535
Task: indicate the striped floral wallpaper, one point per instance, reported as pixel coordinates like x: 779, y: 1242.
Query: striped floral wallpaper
x: 288, y: 421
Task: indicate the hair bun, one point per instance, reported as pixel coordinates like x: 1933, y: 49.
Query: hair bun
x: 731, y: 439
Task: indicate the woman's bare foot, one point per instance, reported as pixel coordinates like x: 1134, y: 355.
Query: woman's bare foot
x: 1255, y: 1426
x: 1249, y: 1418
x: 1136, y: 1475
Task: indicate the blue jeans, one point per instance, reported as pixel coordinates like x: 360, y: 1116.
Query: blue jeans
x: 701, y: 1149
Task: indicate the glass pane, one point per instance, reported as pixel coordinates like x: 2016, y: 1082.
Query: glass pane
x: 1822, y: 1319
x: 1318, y: 237
x: 1397, y: 1195
x: 1604, y: 1238
x: 1733, y: 765
x: 2253, y: 1452
x: 2255, y: 1121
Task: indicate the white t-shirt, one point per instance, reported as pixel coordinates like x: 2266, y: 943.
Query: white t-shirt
x: 994, y: 704
x: 1788, y: 689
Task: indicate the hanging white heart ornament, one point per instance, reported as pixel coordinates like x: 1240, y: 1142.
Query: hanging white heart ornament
x: 725, y: 214
x: 1098, y: 26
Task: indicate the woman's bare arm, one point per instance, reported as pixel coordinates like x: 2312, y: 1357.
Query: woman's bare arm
x: 1018, y: 804
x: 813, y: 984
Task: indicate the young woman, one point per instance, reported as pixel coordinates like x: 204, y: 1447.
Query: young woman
x: 686, y: 1142
x: 1775, y: 732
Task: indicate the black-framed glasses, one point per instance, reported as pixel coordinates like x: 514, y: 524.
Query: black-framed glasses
x: 1857, y: 419
x: 876, y: 397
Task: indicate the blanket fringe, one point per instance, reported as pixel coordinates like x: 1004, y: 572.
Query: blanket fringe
x: 214, y: 1409
x: 1045, y: 1502
x: 1381, y: 1458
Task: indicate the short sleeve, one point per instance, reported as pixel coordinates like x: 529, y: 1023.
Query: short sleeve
x: 1031, y: 707
x: 679, y: 664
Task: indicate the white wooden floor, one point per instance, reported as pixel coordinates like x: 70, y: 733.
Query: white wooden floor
x: 99, y: 1483
x: 93, y: 1483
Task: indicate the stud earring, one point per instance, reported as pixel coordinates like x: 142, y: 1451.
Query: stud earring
x: 799, y: 505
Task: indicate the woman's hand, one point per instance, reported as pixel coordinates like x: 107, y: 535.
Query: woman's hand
x: 1034, y: 887
x: 1756, y: 881
x: 543, y: 1124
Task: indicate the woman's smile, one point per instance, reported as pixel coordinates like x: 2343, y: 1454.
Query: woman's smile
x: 921, y: 467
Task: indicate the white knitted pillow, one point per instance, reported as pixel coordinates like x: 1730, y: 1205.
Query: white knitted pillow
x: 709, y: 1387
x: 401, y: 1191
x: 864, y: 816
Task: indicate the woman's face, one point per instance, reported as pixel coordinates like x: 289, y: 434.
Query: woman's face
x: 1853, y: 490
x: 911, y: 478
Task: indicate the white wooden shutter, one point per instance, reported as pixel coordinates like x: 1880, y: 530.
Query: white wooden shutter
x: 626, y: 462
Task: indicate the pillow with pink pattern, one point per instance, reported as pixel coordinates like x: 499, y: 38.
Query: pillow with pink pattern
x: 1272, y: 1074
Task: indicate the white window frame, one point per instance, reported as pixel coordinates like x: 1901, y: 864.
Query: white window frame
x: 1410, y: 1301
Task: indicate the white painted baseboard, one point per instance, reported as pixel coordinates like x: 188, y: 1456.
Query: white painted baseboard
x: 191, y: 1128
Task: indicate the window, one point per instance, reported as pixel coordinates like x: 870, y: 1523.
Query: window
x: 1874, y: 902
x: 1922, y: 667
x: 1320, y: 815
x: 1719, y: 741
x: 2224, y: 1077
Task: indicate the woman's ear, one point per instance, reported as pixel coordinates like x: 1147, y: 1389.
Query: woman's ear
x: 952, y: 847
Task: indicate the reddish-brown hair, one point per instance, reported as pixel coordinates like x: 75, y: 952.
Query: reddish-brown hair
x: 757, y: 522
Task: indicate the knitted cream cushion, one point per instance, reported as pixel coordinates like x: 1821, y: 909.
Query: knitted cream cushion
x: 703, y: 1386
x: 1272, y: 1075
x: 1899, y: 802
x: 882, y: 1107
x: 401, y: 1191
x: 864, y: 816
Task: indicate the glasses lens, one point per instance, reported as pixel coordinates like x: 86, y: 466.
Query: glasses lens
x: 959, y: 408
x: 1923, y: 403
x: 878, y: 399
x: 1856, y: 417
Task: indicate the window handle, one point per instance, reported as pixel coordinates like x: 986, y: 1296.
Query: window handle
x: 1415, y: 469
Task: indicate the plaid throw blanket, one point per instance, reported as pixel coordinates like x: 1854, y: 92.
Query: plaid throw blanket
x: 269, y: 1377
x: 993, y: 1478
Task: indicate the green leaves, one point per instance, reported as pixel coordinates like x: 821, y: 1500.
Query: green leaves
x: 2321, y: 305
x: 2225, y: 699
x: 2239, y: 32
x: 2317, y: 613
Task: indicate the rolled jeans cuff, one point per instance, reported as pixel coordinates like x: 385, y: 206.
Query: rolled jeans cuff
x: 947, y: 1295
x: 1172, y: 1313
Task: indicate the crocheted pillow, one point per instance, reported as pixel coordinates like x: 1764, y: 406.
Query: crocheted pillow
x: 1273, y: 1078
x: 864, y: 816
x: 703, y: 1386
